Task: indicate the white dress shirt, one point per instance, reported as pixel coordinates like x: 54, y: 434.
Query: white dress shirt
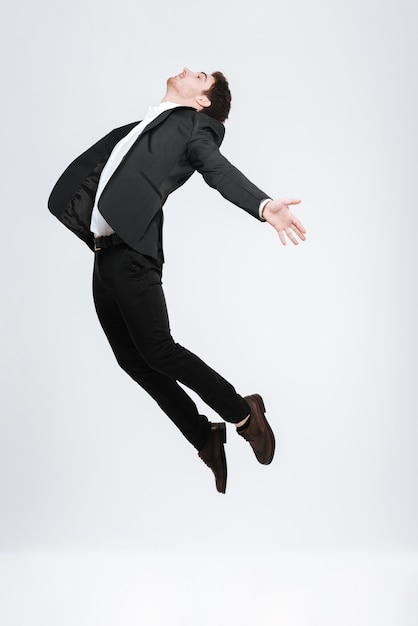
x: 99, y: 227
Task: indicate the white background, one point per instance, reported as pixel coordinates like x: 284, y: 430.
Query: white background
x: 107, y: 514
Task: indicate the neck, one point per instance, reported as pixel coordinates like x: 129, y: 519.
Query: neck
x: 171, y: 97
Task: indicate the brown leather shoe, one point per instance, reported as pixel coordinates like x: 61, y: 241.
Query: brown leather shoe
x: 213, y: 454
x: 258, y: 432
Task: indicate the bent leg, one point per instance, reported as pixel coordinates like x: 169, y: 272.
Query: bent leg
x: 172, y: 399
x: 136, y: 286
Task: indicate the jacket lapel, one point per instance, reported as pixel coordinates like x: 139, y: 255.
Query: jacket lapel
x: 160, y: 118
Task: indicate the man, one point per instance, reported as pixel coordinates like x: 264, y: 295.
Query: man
x: 112, y: 198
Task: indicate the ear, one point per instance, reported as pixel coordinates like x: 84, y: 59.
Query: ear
x: 203, y: 101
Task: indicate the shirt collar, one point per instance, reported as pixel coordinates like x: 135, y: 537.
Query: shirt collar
x: 155, y: 110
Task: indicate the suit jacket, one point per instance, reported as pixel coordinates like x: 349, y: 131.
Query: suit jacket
x: 174, y: 145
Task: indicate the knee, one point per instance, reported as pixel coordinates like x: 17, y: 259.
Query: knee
x: 163, y: 357
x: 127, y: 365
x: 131, y: 364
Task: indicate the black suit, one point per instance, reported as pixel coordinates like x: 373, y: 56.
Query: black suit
x: 127, y: 278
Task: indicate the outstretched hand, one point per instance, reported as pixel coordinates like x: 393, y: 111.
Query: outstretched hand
x: 278, y: 214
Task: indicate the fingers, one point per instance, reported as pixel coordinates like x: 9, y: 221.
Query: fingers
x: 282, y: 237
x: 287, y: 233
x: 290, y: 234
x: 299, y: 231
x: 298, y: 225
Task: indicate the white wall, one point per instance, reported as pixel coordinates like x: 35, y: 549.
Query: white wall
x: 324, y: 108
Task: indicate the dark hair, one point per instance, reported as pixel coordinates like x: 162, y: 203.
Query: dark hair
x: 220, y: 98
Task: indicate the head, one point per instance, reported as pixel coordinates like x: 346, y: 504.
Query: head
x: 219, y: 96
x: 208, y: 93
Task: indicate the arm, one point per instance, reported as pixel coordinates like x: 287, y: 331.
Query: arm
x: 203, y: 154
x: 220, y: 174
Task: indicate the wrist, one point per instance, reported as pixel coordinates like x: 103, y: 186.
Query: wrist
x: 263, y: 205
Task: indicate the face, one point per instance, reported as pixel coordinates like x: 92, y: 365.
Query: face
x: 189, y: 86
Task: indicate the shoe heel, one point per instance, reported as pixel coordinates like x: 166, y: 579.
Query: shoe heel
x: 260, y: 402
x: 223, y: 433
x: 221, y: 428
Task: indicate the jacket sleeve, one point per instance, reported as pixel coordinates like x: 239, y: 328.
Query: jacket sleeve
x: 219, y: 173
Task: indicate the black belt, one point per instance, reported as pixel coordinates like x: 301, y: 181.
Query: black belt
x: 107, y: 242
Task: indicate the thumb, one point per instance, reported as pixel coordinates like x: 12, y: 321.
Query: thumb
x: 289, y: 201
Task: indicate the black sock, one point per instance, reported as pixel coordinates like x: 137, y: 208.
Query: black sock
x: 244, y: 426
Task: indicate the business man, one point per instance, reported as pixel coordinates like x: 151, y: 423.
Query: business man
x: 112, y: 198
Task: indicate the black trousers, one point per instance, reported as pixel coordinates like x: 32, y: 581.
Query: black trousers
x: 131, y: 308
